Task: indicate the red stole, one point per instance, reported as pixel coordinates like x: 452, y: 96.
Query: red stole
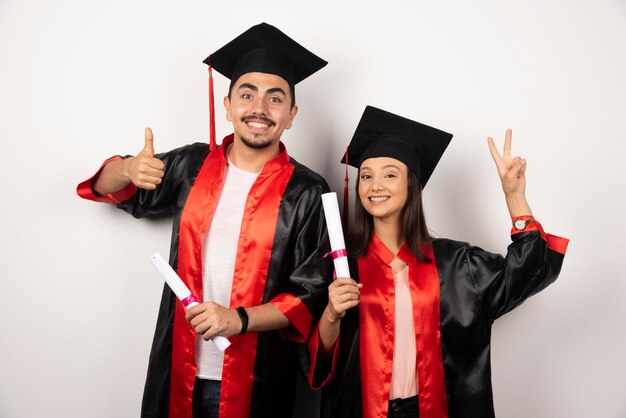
x: 253, y: 257
x: 376, y: 318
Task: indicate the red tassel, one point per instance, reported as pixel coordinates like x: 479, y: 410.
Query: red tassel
x: 346, y: 201
x: 212, y: 144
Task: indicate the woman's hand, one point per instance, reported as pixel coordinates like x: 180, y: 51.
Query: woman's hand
x: 511, y: 170
x: 343, y: 294
x: 512, y: 176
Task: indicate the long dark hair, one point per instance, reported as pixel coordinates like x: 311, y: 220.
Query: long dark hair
x: 414, y: 227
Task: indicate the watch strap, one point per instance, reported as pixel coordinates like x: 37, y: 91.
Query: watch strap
x: 243, y: 315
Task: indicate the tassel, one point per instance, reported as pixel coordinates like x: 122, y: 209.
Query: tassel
x: 212, y: 144
x: 346, y: 200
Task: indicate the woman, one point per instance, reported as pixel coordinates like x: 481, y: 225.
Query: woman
x: 410, y: 334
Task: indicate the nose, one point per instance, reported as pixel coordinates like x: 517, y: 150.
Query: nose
x: 259, y: 105
x: 376, y: 186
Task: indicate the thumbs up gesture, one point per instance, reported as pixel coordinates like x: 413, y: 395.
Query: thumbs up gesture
x: 144, y: 170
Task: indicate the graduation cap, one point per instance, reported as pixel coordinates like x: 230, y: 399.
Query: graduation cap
x: 383, y: 134
x: 265, y: 49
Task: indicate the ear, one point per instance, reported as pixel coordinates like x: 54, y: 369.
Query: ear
x: 227, y: 107
x: 292, y: 115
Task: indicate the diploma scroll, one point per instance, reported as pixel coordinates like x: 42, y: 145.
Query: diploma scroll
x: 335, y: 233
x: 182, y: 292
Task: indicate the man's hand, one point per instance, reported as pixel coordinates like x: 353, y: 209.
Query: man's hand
x: 143, y: 170
x: 210, y: 319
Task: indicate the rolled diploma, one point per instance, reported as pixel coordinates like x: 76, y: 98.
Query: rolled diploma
x: 335, y: 233
x: 182, y: 292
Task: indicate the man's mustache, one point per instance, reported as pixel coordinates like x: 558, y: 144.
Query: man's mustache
x: 258, y: 117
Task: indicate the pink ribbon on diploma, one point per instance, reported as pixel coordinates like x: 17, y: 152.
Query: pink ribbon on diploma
x: 337, y: 253
x: 189, y: 299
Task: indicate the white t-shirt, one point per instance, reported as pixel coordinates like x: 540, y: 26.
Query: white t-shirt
x: 219, y: 253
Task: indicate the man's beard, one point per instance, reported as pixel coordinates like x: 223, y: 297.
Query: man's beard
x: 254, y: 144
x: 257, y: 145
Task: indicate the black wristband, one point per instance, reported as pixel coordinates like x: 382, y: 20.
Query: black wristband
x: 244, y: 319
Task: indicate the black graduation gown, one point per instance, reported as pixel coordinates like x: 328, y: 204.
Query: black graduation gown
x: 279, y: 261
x: 467, y: 290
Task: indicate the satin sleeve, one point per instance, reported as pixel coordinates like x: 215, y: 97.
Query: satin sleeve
x: 532, y: 262
x: 181, y: 166
x: 306, y: 273
x: 320, y: 370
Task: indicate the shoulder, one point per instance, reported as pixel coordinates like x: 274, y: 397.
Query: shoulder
x: 443, y: 244
x: 184, y: 162
x: 446, y: 249
x: 451, y: 251
x: 195, y: 151
x: 306, y: 182
x: 307, y: 176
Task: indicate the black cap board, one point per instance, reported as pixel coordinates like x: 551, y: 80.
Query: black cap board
x: 384, y: 134
x: 265, y: 49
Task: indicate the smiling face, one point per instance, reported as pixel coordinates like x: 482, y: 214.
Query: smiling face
x: 260, y: 109
x: 383, y: 187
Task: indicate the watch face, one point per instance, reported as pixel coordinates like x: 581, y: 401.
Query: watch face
x: 520, y: 224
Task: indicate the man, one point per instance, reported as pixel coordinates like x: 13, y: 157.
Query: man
x: 249, y: 238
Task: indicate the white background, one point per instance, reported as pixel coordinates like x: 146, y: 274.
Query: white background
x: 80, y: 80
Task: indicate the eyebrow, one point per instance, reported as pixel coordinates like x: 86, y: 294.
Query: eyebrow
x: 276, y: 90
x: 256, y: 89
x: 387, y: 166
x: 248, y: 86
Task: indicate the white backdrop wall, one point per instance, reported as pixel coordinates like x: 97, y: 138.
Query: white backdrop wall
x: 80, y: 80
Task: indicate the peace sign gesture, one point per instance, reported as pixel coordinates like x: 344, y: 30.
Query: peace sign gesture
x: 512, y: 175
x: 511, y: 170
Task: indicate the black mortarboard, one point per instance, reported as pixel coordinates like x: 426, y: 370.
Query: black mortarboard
x: 265, y: 49
x: 383, y: 134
